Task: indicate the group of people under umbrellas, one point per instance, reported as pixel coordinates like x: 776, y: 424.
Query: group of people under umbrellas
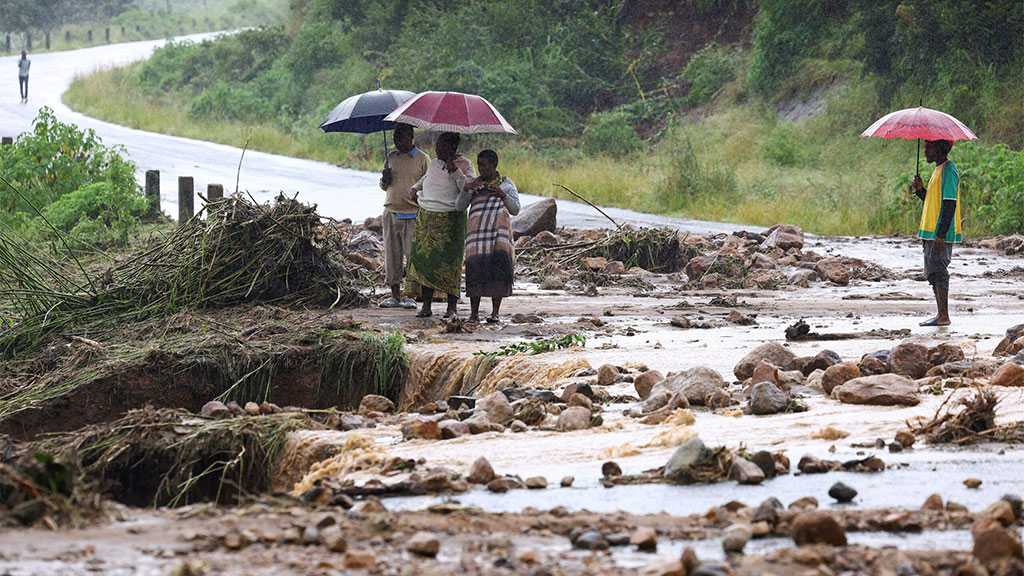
x: 428, y: 236
x: 429, y: 239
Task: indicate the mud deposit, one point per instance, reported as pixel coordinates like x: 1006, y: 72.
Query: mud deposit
x: 477, y: 452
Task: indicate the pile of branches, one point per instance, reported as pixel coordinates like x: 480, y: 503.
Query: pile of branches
x: 242, y: 252
x: 154, y: 457
x: 658, y: 250
x: 974, y: 421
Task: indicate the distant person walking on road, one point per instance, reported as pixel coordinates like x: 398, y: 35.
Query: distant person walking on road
x: 439, y: 241
x: 490, y: 254
x: 940, y: 223
x: 405, y: 166
x: 23, y: 65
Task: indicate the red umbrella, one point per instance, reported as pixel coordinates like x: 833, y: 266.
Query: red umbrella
x: 918, y: 123
x: 452, y: 112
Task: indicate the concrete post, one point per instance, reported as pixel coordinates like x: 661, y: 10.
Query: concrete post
x: 6, y: 141
x: 153, y: 192
x: 67, y: 36
x: 47, y: 39
x: 106, y: 33
x: 7, y: 43
x: 28, y: 40
x: 186, y: 199
x: 88, y: 36
x: 214, y: 192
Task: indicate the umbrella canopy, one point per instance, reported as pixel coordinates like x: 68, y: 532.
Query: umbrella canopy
x: 452, y: 112
x: 364, y: 113
x: 920, y: 122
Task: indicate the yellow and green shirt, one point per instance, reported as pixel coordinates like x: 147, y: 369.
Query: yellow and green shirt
x: 944, y: 184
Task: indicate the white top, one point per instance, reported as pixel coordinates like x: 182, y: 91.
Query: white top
x: 438, y: 191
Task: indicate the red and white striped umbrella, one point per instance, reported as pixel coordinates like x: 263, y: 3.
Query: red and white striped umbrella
x: 920, y: 122
x: 452, y: 112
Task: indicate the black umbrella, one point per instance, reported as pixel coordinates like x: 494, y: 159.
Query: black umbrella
x: 364, y: 113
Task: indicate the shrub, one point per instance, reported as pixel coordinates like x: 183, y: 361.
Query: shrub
x: 610, y: 133
x: 783, y: 147
x: 708, y: 71
x: 98, y: 213
x: 690, y: 178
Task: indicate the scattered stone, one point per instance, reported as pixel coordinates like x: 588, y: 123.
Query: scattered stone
x: 812, y: 465
x: 497, y: 407
x: 567, y: 481
x: 837, y: 375
x: 310, y: 535
x: 880, y: 390
x: 590, y: 540
x: 934, y: 503
x: 645, y: 539
x: 1016, y: 504
x: 1012, y: 335
x: 804, y: 504
x: 580, y: 400
x: 746, y: 472
x: 740, y: 319
x: 214, y: 409
x: 360, y: 560
x: 765, y: 461
x: 518, y: 426
x: 423, y: 544
x: 1000, y: 511
x: 945, y: 353
x: 480, y: 472
x: 994, y: 543
x: 766, y: 398
x: 334, y: 540
x: 802, y: 278
x: 536, y: 483
x: 573, y: 418
x: 817, y: 527
x: 735, y: 538
x: 251, y: 408
x: 785, y: 236
x: 526, y: 319
x: 765, y: 372
x: 972, y: 483
x: 453, y: 429
x: 610, y: 470
x: 607, y: 375
x: 771, y: 352
x: 614, y: 267
x: 910, y: 360
x: 501, y: 485
x: 685, y: 456
x: 822, y: 361
x: 374, y: 403
x: 552, y: 282
x: 645, y: 382
x: 842, y: 493
x: 236, y: 540
x: 595, y: 264
x: 421, y: 429
x: 768, y: 511
x: 905, y: 438
x: 1010, y: 374
x: 695, y: 385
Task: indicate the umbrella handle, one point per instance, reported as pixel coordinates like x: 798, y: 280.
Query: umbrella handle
x: 384, y: 135
x: 918, y: 157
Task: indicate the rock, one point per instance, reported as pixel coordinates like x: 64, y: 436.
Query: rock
x: 993, y: 543
x: 740, y: 319
x: 520, y: 318
x: 645, y: 382
x: 972, y: 483
x: 1001, y: 511
x: 607, y: 375
x: 694, y: 384
x: 790, y: 378
x: 581, y: 401
x: 735, y: 538
x: 480, y: 472
x: 945, y: 353
x: 453, y: 429
x: 610, y: 470
x: 744, y: 471
x: 802, y: 278
x: 838, y: 375
x: 590, y: 540
x: 360, y: 560
x: 615, y: 267
x: 880, y: 390
x: 684, y: 457
x: 767, y: 398
x: 545, y: 238
x: 1010, y: 374
x: 480, y: 424
x: 536, y: 218
x: 595, y: 264
x: 765, y: 461
x: 567, y: 482
x: 518, y: 426
x: 375, y: 403
x: 872, y: 365
x: 423, y: 544
x: 581, y: 388
x: 842, y: 493
x: 251, y: 408
x: 785, y: 236
x: 215, y: 409
x: 530, y: 411
x: 497, y: 407
x: 235, y: 408
x: 761, y: 261
x: 536, y: 483
x: 811, y: 465
x: 833, y: 270
x: 1016, y: 504
x: 645, y: 539
x: 552, y: 282
x: 1012, y: 335
x: 771, y: 352
x: 421, y: 429
x: 910, y: 360
x: 934, y: 503
x: 817, y: 527
x: 333, y: 539
x: 236, y: 540
x: 573, y: 418
x: 765, y: 372
x: 905, y: 438
x: 502, y: 485
x: 821, y: 361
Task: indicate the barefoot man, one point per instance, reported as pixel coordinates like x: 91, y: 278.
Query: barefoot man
x: 940, y: 223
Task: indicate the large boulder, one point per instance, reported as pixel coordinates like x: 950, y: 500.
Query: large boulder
x: 838, y: 375
x: 910, y: 360
x: 833, y: 270
x: 499, y: 410
x: 535, y: 218
x: 771, y: 352
x: 1009, y: 374
x: 686, y: 456
x: 574, y: 418
x: 785, y: 236
x: 880, y: 390
x: 817, y: 527
x: 875, y: 363
x: 767, y: 398
x: 695, y: 384
x: 645, y: 382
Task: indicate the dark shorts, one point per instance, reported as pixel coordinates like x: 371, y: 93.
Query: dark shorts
x: 936, y: 263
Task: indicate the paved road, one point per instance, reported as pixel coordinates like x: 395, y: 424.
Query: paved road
x: 339, y: 192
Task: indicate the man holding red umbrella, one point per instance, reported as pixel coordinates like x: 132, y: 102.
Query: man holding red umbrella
x: 940, y: 223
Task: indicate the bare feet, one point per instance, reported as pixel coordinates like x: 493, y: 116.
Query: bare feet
x: 936, y: 321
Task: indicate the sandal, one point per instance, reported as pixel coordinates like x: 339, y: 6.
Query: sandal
x: 934, y: 322
x: 493, y: 320
x: 391, y: 303
x: 424, y: 314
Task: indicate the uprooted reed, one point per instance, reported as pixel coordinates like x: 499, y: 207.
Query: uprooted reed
x: 654, y: 249
x: 241, y: 252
